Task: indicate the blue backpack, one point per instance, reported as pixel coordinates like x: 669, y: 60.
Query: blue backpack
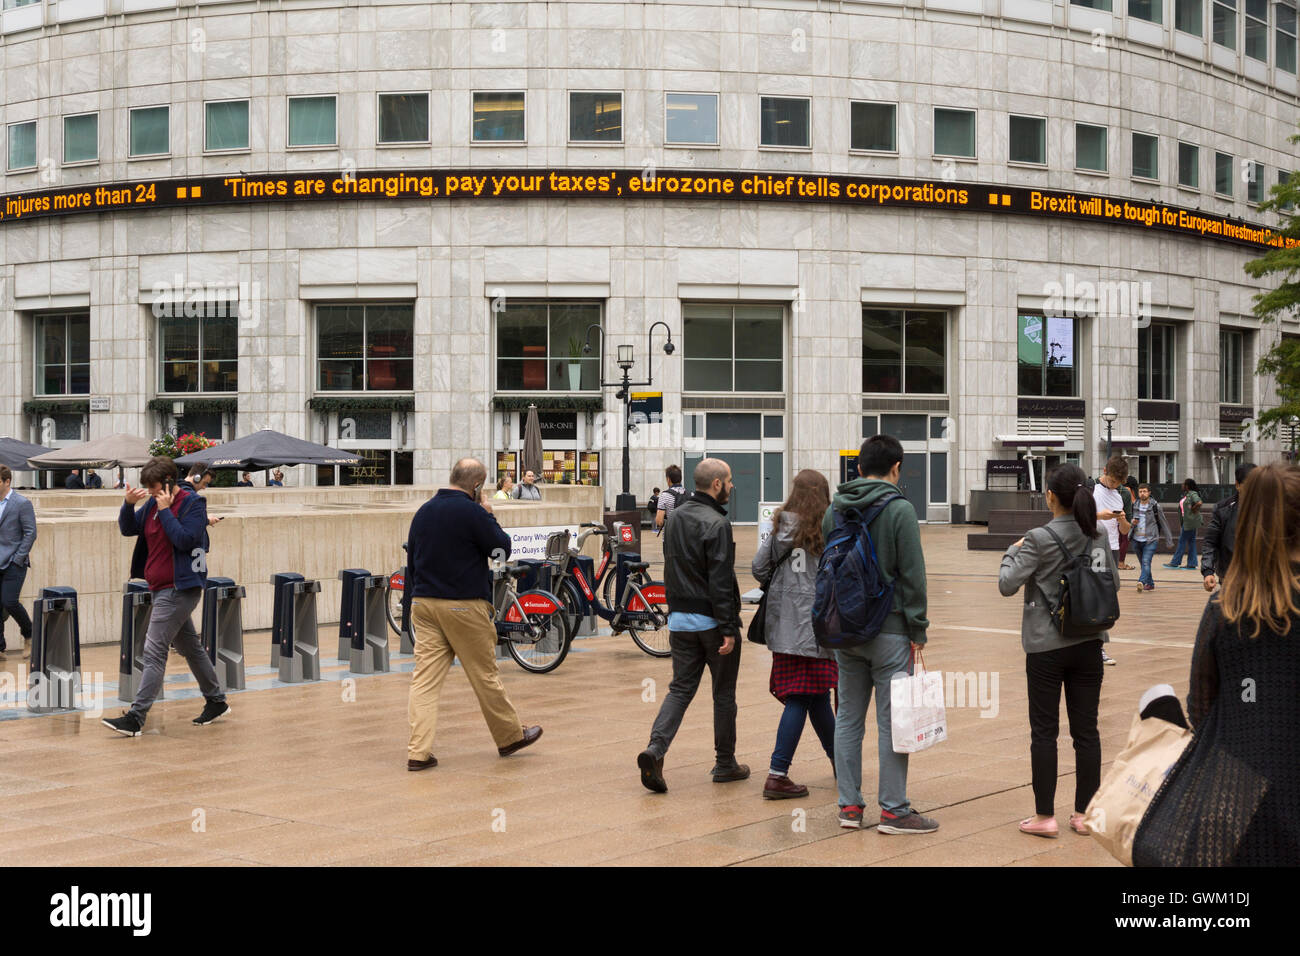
x: 853, y: 597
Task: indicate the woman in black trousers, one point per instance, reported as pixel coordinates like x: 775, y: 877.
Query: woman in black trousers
x: 1052, y: 661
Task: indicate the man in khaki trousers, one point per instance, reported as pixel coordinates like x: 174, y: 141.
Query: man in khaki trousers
x: 452, y: 537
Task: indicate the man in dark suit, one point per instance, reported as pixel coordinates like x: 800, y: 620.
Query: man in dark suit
x: 73, y: 482
x: 17, y: 535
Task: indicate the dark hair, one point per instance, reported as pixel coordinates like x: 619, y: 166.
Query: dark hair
x: 1190, y: 484
x: 1117, y: 467
x: 673, y: 474
x: 199, y: 472
x: 1244, y: 469
x: 158, y: 471
x: 1066, y: 482
x: 5, y: 473
x: 878, y: 456
x: 1144, y: 485
x: 1132, y: 482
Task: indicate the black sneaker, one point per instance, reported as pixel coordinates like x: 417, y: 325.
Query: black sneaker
x: 729, y: 773
x: 652, y: 771
x: 212, y: 710
x: 128, y: 725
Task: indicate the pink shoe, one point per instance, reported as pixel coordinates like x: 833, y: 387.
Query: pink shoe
x: 1043, y: 828
x: 1078, y: 826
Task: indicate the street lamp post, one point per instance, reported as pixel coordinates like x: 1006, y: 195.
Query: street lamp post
x: 1293, y: 421
x: 1109, y: 415
x: 627, y: 501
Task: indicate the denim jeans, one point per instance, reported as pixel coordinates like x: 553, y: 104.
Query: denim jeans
x: 799, y: 707
x: 1145, y: 551
x: 863, y: 668
x: 1186, y: 542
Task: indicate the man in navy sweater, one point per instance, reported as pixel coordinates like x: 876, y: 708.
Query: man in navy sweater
x: 451, y: 539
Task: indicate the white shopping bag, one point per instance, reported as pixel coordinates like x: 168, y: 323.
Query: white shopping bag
x: 917, y: 717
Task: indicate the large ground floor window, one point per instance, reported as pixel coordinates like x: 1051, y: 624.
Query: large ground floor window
x: 380, y: 438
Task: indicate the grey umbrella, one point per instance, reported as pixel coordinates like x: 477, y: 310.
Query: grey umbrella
x: 111, y: 451
x: 532, y: 460
x: 15, y: 453
x: 267, y: 449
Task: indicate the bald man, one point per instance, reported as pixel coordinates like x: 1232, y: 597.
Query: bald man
x: 451, y: 539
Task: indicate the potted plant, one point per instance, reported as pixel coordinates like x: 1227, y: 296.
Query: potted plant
x: 575, y: 364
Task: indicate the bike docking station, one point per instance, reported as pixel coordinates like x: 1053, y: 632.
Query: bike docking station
x: 137, y: 605
x: 363, y: 626
x: 408, y: 626
x: 295, y: 642
x: 55, y: 680
x: 223, y: 631
x: 582, y: 568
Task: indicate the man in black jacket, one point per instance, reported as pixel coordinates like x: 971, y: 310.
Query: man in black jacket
x: 451, y: 539
x: 1221, y: 534
x: 704, y: 623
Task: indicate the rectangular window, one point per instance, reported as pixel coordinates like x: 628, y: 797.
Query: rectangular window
x: 1028, y: 140
x: 691, y: 118
x: 1284, y: 177
x: 313, y: 120
x: 1224, y: 23
x: 499, y: 117
x: 1189, y: 165
x: 365, y: 347
x: 1254, y: 182
x: 1094, y: 4
x: 1256, y: 45
x: 874, y: 126
x: 596, y: 117
x: 81, y: 138
x: 1148, y: 10
x: 539, y: 347
x: 954, y: 132
x: 1231, y: 355
x: 200, y: 353
x: 1223, y: 174
x: 403, y: 117
x: 903, y: 351
x: 225, y: 125
x: 1285, y: 33
x: 733, y: 348
x: 1046, y: 348
x: 1187, y: 16
x: 1090, y: 147
x: 1146, y: 156
x: 63, y: 353
x: 22, y: 145
x: 785, y: 121
x: 151, y: 131
x: 1156, y: 362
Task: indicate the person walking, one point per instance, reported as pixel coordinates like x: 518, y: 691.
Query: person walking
x: 452, y: 536
x: 200, y: 477
x: 1221, y: 534
x: 1233, y: 797
x: 1129, y: 492
x: 527, y: 490
x: 17, y: 535
x: 1189, y: 513
x: 1053, y: 662
x: 171, y: 550
x: 703, y: 623
x: 670, y: 497
x: 1148, y: 528
x: 803, y: 673
x: 1109, y: 495
x: 896, y: 538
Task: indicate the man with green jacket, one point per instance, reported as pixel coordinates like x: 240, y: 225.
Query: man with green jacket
x: 896, y: 536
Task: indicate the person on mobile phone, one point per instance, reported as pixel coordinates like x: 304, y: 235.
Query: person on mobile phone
x: 171, y: 532
x: 1108, y: 495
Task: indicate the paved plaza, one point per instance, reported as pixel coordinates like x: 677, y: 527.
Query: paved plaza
x: 316, y: 773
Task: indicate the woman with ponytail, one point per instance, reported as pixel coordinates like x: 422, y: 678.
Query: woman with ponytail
x: 1052, y: 661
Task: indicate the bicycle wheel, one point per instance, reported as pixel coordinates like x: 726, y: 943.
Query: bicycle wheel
x: 394, y: 590
x: 651, y: 636
x: 609, y: 592
x: 547, y: 653
x: 572, y: 607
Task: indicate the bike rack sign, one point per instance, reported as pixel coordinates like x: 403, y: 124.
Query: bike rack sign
x: 531, y: 542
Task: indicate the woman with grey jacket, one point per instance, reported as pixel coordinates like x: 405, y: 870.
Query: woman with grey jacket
x: 803, y: 672
x: 1052, y: 661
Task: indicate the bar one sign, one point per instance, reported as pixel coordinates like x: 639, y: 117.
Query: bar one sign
x: 556, y: 426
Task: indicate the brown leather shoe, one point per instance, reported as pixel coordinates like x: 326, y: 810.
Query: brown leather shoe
x: 530, y: 737
x: 782, y: 788
x: 422, y: 764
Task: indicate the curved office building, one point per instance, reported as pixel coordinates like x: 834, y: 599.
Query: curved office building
x: 391, y: 226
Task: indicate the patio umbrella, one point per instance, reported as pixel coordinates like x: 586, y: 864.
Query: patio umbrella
x: 112, y: 451
x: 532, y: 460
x: 15, y: 453
x: 267, y: 449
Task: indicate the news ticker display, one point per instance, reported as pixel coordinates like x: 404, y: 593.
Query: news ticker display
x: 494, y: 185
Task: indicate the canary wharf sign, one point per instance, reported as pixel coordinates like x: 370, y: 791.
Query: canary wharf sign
x: 621, y: 185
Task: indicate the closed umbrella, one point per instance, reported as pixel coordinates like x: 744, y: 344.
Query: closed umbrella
x: 15, y: 453
x: 532, y: 444
x: 113, y: 451
x: 267, y: 449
